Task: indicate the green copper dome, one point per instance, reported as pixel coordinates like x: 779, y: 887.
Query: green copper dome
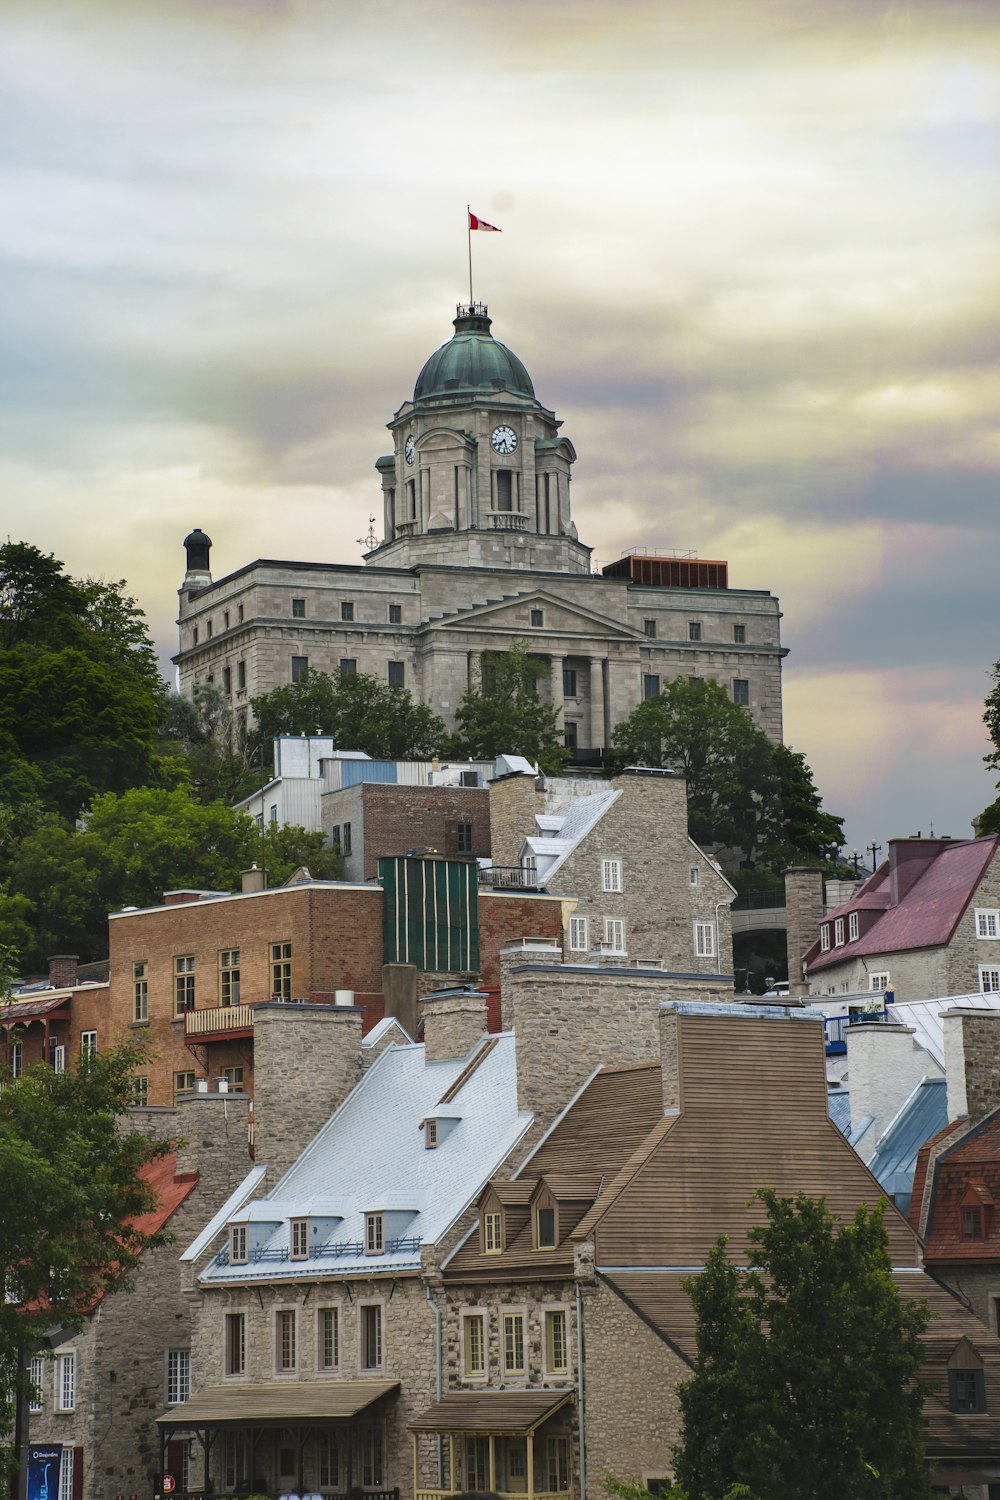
x: 472, y: 362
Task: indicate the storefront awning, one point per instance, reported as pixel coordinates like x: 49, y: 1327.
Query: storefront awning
x: 281, y: 1404
x: 502, y: 1413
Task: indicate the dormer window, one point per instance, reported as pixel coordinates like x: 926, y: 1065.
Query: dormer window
x: 853, y: 926
x: 374, y: 1234
x: 300, y: 1239
x: 238, y: 1244
x: 545, y: 1228
x: 824, y: 938
x: 838, y: 932
x: 492, y: 1233
x: 972, y: 1223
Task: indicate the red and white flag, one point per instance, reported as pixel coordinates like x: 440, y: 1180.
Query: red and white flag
x: 475, y: 223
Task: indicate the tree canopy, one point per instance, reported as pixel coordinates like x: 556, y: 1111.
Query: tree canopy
x: 503, y: 715
x: 744, y: 792
x: 989, y: 819
x: 806, y: 1372
x: 71, y: 1188
x: 358, y: 711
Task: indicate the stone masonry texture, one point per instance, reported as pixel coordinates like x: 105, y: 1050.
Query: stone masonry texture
x: 308, y: 1058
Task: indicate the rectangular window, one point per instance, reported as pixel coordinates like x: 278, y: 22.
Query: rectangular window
x: 824, y: 937
x: 649, y: 627
x: 741, y: 691
x: 347, y: 609
x: 967, y: 1390
x: 704, y: 939
x: 178, y: 1376
x: 225, y: 619
x: 739, y: 635
x: 300, y: 1239
x: 838, y: 932
x: 650, y: 686
x: 227, y: 679
x: 88, y: 1043
x: 140, y: 993
x: 208, y: 629
x: 430, y: 1135
x: 578, y: 934
x: 183, y: 984
x: 545, y: 1228
x: 372, y: 1458
x: 58, y: 1057
x: 235, y: 1460
x: 556, y: 1359
x: 238, y: 1244
x: 236, y: 1342
x: 853, y: 926
x: 234, y: 1077
x: 513, y: 1343
x: 396, y: 674
x: 239, y: 614
x: 374, y: 1242
x: 611, y: 874
x: 878, y: 981
x: 36, y: 1375
x: 569, y: 682
x: 348, y: 665
x: 694, y: 630
x: 229, y: 976
x: 281, y: 971
x: 300, y: 667
x: 16, y: 1059
x: 66, y: 1472
x: 241, y: 675
x: 989, y: 980
x: 694, y: 875
x: 328, y: 1447
x: 988, y: 924
x: 140, y: 1090
x: 194, y: 636
x: 557, y: 1462
x: 492, y: 1234
x: 66, y: 1382
x: 273, y: 814
x: 477, y: 1464
x: 183, y: 1083
x: 395, y: 614
x: 298, y: 609
x: 972, y: 1223
x: 474, y: 1343
x: 537, y: 619
x: 614, y: 935
x: 371, y: 1337
x: 345, y: 839
x: 284, y: 1339
x: 517, y: 1465
x: 328, y: 1353
x: 464, y: 839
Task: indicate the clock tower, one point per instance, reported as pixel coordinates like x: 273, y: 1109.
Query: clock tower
x: 479, y: 475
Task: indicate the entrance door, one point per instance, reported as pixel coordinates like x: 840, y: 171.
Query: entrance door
x: 477, y: 1463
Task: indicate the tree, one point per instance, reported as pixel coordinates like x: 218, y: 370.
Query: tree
x: 806, y: 830
x: 201, y: 750
x: 130, y: 849
x: 989, y: 819
x: 80, y: 691
x: 72, y: 1193
x: 805, y: 1381
x: 502, y: 714
x: 359, y: 712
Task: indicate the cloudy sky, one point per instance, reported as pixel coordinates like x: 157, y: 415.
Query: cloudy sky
x: 750, y: 255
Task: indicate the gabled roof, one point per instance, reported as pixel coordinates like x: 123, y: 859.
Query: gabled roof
x: 371, y: 1157
x: 921, y: 1116
x: 577, y: 813
x: 927, y: 914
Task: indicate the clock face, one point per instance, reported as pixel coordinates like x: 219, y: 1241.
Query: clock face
x: 408, y: 450
x: 504, y: 439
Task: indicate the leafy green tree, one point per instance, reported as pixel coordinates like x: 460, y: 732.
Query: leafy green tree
x: 134, y: 847
x: 359, y: 712
x: 80, y: 691
x: 806, y: 830
x: 989, y: 819
x: 503, y: 714
x: 806, y: 1373
x: 200, y: 748
x: 72, y: 1193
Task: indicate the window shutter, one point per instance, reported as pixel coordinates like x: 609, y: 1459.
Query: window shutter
x: 77, y: 1474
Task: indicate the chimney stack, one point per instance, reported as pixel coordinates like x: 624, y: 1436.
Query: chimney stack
x: 971, y: 1055
x: 254, y: 879
x: 63, y: 970
x: 454, y: 1021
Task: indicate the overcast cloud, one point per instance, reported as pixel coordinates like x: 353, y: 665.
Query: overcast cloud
x: 750, y: 256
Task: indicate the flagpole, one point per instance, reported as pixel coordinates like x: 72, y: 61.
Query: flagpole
x: 468, y: 234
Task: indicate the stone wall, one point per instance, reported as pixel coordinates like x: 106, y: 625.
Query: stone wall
x: 804, y: 912
x: 513, y: 801
x: 966, y: 952
x: 914, y: 974
x: 308, y: 1058
x: 972, y: 1061
x: 453, y: 1024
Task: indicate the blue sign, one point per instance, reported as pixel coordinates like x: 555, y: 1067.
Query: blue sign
x: 43, y: 1471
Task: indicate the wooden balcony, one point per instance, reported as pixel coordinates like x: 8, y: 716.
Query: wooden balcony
x: 218, y: 1023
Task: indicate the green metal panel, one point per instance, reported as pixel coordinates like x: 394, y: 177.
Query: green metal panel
x: 431, y: 914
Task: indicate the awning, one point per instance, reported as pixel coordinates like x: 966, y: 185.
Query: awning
x: 502, y: 1413
x: 19, y: 1011
x: 280, y: 1403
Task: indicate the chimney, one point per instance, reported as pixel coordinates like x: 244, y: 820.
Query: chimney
x: 670, y: 1058
x: 883, y: 1068
x: 804, y: 913
x: 307, y: 1059
x: 254, y: 879
x: 63, y: 970
x: 971, y: 1052
x: 214, y: 1143
x: 454, y: 1021
x: 399, y: 991
x: 525, y: 951
x: 908, y: 859
x: 514, y: 801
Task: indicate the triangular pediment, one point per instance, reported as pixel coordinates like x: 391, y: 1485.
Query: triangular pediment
x: 512, y: 615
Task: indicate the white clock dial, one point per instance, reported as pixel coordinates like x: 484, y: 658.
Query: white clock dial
x: 504, y: 439
x: 408, y: 450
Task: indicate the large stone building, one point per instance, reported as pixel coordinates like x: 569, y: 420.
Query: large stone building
x: 481, y: 550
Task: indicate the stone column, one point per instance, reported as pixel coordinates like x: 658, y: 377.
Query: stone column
x: 556, y: 688
x: 453, y: 1024
x: 804, y: 912
x: 597, y: 740
x: 475, y: 670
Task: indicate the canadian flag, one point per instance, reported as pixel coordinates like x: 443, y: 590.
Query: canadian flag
x: 475, y: 223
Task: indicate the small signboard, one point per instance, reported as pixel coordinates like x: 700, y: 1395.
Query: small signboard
x: 169, y: 1484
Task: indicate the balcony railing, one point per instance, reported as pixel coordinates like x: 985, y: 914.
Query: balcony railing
x: 509, y: 877
x: 508, y: 520
x: 408, y: 1245
x: 836, y: 1026
x: 220, y: 1018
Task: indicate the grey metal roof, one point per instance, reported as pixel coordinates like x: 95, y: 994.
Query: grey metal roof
x: 371, y: 1157
x: 923, y: 1115
x: 839, y: 1104
x: 925, y: 1018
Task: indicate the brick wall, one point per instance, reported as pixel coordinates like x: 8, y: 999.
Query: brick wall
x: 505, y: 917
x: 399, y: 818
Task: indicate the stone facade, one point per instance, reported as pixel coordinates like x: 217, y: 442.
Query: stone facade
x: 804, y: 910
x: 972, y: 1062
x: 453, y: 1024
x: 306, y: 1060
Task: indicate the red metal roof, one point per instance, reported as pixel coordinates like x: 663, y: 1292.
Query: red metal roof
x: 28, y: 1010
